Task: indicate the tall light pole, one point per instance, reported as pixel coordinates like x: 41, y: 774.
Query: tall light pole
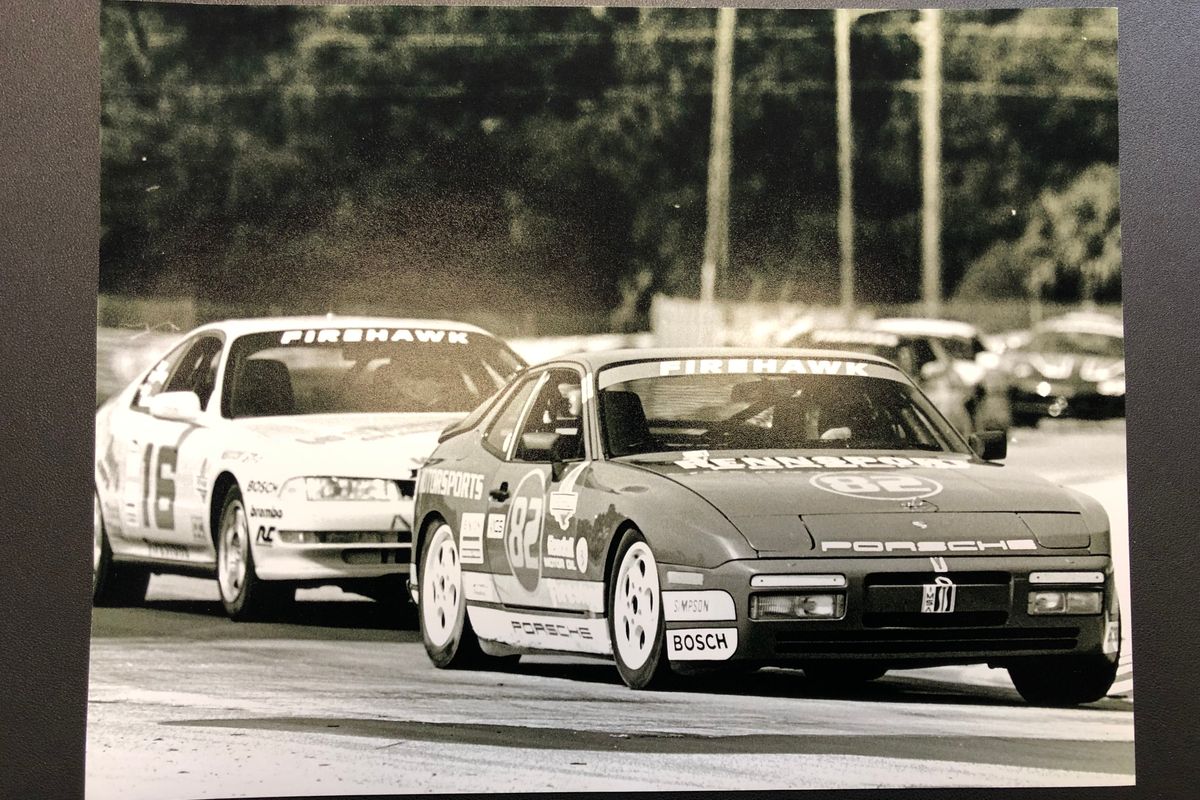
x: 931, y: 161
x: 841, y: 29
x: 716, y: 236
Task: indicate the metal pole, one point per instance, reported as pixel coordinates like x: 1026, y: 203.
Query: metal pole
x: 931, y: 160
x: 716, y: 237
x: 841, y: 27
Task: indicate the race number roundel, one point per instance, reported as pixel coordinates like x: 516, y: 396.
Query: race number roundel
x: 523, y: 534
x: 877, y: 485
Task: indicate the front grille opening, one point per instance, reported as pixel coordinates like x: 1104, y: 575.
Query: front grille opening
x: 978, y: 578
x: 966, y: 619
x: 899, y: 641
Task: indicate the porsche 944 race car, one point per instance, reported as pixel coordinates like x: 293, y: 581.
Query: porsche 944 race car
x: 274, y: 453
x: 678, y: 510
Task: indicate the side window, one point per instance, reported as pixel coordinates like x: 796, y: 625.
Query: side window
x: 197, y: 370
x: 499, y: 436
x: 558, y: 409
x: 156, y: 379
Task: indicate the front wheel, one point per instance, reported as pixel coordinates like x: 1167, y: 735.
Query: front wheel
x: 449, y: 639
x: 1065, y: 681
x: 113, y: 584
x: 635, y: 619
x: 244, y: 595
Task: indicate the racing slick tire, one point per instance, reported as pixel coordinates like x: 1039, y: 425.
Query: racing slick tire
x: 844, y: 674
x: 635, y: 620
x: 446, y: 630
x: 113, y: 584
x: 244, y: 595
x: 1064, y: 681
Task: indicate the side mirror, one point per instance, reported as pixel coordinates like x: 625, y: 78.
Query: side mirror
x: 176, y: 406
x: 990, y: 445
x: 932, y: 370
x: 541, y: 446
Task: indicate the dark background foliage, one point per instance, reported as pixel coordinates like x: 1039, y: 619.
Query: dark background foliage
x: 544, y: 169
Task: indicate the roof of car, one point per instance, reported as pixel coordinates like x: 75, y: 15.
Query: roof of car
x: 599, y: 359
x: 240, y: 327
x: 926, y: 327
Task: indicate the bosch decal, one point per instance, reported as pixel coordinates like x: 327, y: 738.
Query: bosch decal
x: 702, y: 644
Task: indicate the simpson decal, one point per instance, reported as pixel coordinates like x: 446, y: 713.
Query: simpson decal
x: 451, y: 483
x: 355, y: 335
x: 702, y: 644
x: 700, y: 459
x: 470, y: 538
x: 872, y: 486
x: 692, y: 606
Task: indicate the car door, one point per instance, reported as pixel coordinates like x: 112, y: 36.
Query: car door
x: 536, y: 498
x: 167, y: 463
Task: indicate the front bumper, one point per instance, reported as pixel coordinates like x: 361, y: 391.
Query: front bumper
x: 334, y: 540
x: 883, y: 621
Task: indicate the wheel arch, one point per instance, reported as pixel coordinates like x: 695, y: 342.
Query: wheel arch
x: 610, y: 558
x: 420, y: 534
x: 220, y: 488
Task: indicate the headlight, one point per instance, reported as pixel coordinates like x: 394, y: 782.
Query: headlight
x: 797, y: 606
x: 1063, y: 602
x: 330, y: 488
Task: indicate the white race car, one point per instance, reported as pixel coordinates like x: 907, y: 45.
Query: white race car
x: 275, y: 453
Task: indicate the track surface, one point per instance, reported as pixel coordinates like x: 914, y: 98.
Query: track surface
x: 339, y: 698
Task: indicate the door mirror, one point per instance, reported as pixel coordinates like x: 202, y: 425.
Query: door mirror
x: 541, y: 446
x: 932, y: 370
x: 176, y: 406
x: 990, y: 445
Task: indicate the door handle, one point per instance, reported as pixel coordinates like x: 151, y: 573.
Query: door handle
x: 499, y: 494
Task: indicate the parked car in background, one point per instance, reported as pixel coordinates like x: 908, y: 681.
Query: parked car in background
x: 275, y: 453
x: 1070, y: 366
x: 923, y: 358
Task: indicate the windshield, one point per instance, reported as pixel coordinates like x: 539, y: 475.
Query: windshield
x: 398, y: 370
x: 855, y: 405
x: 1079, y: 342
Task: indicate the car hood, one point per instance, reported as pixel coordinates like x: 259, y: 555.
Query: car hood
x: 789, y: 503
x: 350, y: 444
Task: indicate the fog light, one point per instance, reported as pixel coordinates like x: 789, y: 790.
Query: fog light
x: 1043, y: 389
x: 797, y: 606
x: 1061, y: 602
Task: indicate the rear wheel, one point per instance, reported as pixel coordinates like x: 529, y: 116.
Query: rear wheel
x: 1064, y: 681
x: 442, y: 608
x: 113, y: 584
x: 244, y: 595
x: 635, y: 619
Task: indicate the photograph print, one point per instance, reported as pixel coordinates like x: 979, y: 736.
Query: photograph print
x: 535, y: 399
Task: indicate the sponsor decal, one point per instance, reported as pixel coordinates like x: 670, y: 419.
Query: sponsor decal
x: 938, y: 597
x: 702, y: 644
x: 450, y: 483
x: 543, y: 632
x: 354, y: 335
x: 919, y: 524
x: 175, y: 552
x: 873, y: 486
x: 262, y: 487
x: 241, y: 456
x: 495, y: 526
x: 265, y: 535
x: 200, y: 481
x: 700, y: 459
x: 523, y: 530
x: 478, y: 587
x: 572, y: 595
x: 685, y: 578
x: 685, y: 606
x: 939, y: 564
x: 565, y: 500
x: 762, y: 366
x: 938, y: 546
x: 470, y: 538
x: 565, y: 552
x: 198, y: 532
x: 265, y: 512
x: 581, y: 554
